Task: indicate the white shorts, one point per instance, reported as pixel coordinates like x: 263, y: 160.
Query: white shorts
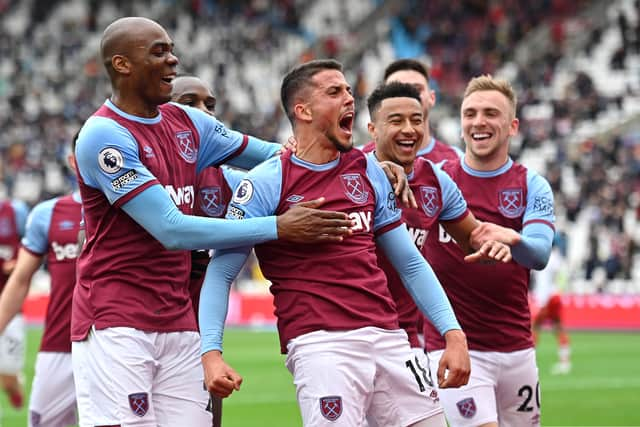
x: 12, y: 347
x: 53, y: 395
x: 341, y: 378
x: 503, y: 388
x: 129, y: 377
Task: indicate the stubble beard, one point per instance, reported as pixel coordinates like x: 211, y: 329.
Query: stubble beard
x: 339, y: 146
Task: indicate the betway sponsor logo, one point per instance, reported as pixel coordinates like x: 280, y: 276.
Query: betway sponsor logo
x: 362, y: 220
x: 418, y: 235
x: 181, y: 195
x: 68, y: 251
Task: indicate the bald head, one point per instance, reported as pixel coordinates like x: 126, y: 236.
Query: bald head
x: 190, y: 90
x: 124, y: 34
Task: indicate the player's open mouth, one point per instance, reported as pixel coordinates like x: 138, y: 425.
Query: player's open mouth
x: 406, y: 144
x: 481, y: 136
x: 169, y: 78
x: 346, y: 122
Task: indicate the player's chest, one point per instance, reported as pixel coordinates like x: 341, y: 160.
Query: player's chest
x: 501, y: 201
x: 168, y: 152
x: 63, y: 233
x: 347, y: 191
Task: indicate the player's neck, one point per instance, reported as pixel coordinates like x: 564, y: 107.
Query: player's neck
x: 315, y: 148
x: 382, y: 158
x: 426, y: 140
x: 485, y: 163
x: 134, y: 107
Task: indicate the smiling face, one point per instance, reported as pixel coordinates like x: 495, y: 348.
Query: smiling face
x: 152, y: 63
x: 330, y: 108
x: 194, y: 92
x: 397, y: 129
x: 488, y: 121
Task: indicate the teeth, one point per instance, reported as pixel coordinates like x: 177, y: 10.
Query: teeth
x: 480, y: 135
x: 406, y: 142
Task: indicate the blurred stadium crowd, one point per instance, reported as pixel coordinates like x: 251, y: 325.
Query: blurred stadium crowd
x: 574, y: 63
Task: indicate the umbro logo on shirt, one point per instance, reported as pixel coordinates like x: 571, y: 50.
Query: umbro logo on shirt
x: 295, y: 198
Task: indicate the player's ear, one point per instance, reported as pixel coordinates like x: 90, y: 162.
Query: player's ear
x: 303, y: 112
x: 372, y: 129
x: 71, y: 161
x: 121, y: 64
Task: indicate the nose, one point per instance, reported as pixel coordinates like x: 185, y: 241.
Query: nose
x: 407, y: 127
x: 350, y: 99
x: 172, y: 59
x: 478, y: 120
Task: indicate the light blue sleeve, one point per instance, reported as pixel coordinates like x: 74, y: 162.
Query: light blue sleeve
x: 214, y: 296
x: 386, y: 211
x: 36, y: 238
x: 21, y: 212
x: 256, y: 152
x: 108, y: 159
x: 233, y: 176
x: 218, y: 143
x: 534, y: 249
x: 154, y: 210
x: 258, y: 194
x: 453, y: 202
x: 418, y: 278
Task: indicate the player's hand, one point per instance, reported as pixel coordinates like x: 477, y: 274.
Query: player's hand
x: 487, y: 231
x: 455, y: 360
x: 304, y: 223
x: 291, y: 145
x: 398, y: 179
x: 220, y: 379
x: 491, y: 251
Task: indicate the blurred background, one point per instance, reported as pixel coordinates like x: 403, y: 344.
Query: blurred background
x: 575, y: 65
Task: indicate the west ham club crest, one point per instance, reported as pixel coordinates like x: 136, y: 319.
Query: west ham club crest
x: 429, y: 200
x: 186, y: 146
x: 139, y: 403
x: 210, y: 199
x: 354, y: 188
x: 511, y: 202
x: 331, y: 407
x: 467, y: 407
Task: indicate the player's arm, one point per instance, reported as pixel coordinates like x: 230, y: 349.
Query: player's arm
x: 531, y: 247
x: 220, y: 379
x: 220, y: 145
x: 34, y: 245
x: 17, y: 286
x: 458, y: 221
x: 419, y: 279
x: 21, y: 211
x: 128, y: 184
x: 426, y: 291
x: 256, y: 195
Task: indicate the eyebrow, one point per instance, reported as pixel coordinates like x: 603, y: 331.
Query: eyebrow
x: 162, y: 44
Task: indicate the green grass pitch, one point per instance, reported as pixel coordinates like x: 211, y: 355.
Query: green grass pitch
x: 603, y: 389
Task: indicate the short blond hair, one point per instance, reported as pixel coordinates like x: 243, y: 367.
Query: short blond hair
x: 487, y: 82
